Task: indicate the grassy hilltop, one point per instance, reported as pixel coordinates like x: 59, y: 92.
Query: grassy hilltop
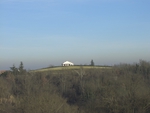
x: 77, y: 89
x: 58, y: 68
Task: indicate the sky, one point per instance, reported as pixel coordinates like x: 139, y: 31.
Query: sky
x: 41, y: 33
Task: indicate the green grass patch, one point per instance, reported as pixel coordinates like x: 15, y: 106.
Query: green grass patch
x: 58, y: 68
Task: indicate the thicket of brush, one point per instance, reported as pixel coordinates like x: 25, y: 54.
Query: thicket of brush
x: 122, y: 89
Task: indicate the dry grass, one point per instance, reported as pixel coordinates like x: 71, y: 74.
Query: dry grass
x: 70, y: 68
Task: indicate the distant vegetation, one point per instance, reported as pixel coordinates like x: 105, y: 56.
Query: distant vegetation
x: 122, y: 88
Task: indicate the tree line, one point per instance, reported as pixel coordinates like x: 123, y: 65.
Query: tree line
x: 124, y: 88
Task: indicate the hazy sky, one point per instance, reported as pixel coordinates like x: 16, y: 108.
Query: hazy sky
x: 41, y: 33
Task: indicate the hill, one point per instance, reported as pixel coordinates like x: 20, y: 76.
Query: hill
x: 77, y: 67
x: 123, y: 88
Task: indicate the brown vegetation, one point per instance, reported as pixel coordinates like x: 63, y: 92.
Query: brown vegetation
x: 2, y: 71
x: 123, y: 89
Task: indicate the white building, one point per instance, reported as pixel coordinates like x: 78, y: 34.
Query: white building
x: 67, y: 63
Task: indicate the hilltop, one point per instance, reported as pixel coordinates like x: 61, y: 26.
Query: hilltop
x: 76, y: 67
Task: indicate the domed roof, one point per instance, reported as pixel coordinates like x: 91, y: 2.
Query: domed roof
x: 68, y: 62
